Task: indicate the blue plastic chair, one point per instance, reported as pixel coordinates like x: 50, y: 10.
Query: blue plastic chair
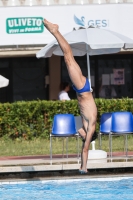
x: 63, y: 126
x: 105, y: 126
x: 122, y: 124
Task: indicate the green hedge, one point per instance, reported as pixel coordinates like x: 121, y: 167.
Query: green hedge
x: 34, y: 118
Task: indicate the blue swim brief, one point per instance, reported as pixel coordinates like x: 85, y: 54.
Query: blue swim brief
x: 86, y: 87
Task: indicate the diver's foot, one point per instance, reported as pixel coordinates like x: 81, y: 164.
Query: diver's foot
x: 83, y: 171
x: 53, y: 28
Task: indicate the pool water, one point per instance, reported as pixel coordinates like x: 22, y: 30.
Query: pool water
x: 69, y: 189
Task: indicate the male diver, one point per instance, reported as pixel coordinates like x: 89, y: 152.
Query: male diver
x: 81, y: 85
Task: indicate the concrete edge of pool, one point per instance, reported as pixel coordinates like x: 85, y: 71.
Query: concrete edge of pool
x: 42, y: 167
x: 64, y: 167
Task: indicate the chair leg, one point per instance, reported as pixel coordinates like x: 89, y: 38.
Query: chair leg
x: 50, y: 149
x: 126, y: 146
x: 110, y: 146
x: 100, y: 141
x: 67, y: 147
x: 63, y: 149
x: 77, y: 138
x: 124, y: 137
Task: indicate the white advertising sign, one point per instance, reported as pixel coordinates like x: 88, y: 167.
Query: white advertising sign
x: 23, y: 25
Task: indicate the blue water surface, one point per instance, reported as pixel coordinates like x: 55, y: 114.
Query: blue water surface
x: 74, y: 189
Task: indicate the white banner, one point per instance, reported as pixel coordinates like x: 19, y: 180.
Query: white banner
x: 22, y: 25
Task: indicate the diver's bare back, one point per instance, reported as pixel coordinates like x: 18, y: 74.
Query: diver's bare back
x: 87, y: 106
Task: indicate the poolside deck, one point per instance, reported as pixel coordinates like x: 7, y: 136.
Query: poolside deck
x: 33, y: 166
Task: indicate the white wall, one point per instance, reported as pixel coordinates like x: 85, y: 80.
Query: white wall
x: 116, y: 17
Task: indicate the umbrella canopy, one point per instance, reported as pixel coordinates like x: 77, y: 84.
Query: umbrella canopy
x: 90, y: 41
x: 3, y: 81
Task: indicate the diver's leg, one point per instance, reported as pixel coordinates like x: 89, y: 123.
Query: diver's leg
x: 73, y: 68
x: 81, y: 155
x: 82, y: 133
x: 89, y: 135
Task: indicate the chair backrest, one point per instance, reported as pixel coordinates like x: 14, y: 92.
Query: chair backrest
x: 63, y: 125
x: 122, y: 122
x: 78, y: 122
x: 105, y: 123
